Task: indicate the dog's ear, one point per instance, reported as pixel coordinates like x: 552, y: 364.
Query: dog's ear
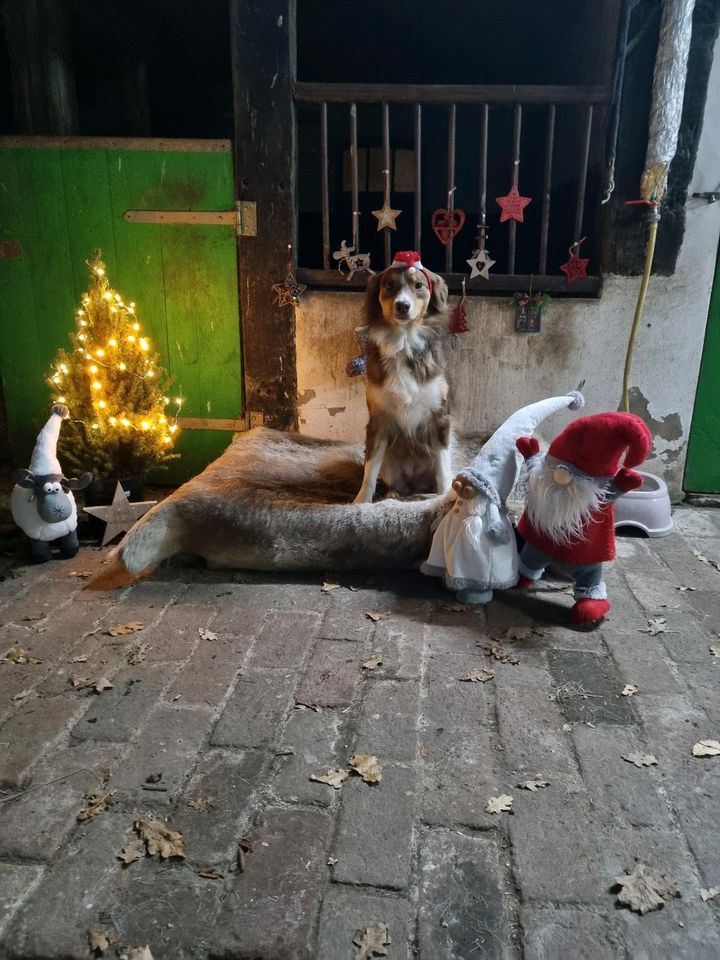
x: 439, y: 295
x: 372, y: 297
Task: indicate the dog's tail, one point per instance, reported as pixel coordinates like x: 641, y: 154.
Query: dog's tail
x: 153, y: 539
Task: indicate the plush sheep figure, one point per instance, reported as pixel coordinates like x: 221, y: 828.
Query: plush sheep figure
x: 41, y: 502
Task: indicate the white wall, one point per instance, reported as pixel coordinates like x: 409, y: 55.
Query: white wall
x: 493, y: 370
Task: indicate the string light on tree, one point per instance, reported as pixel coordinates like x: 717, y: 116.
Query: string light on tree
x: 114, y: 386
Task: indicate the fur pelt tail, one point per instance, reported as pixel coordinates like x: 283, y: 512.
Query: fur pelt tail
x: 153, y: 539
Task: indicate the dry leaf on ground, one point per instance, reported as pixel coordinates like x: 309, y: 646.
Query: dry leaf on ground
x: 641, y: 759
x: 160, y: 839
x: 120, y: 629
x: 96, y: 804
x: 685, y: 589
x: 710, y: 893
x: 501, y: 804
x: 478, y: 675
x: 375, y: 615
x: 367, y: 767
x: 82, y: 658
x: 206, y: 634
x: 202, y: 804
x: 371, y: 941
x: 137, y: 654
x: 455, y: 607
x: 534, y: 785
x: 334, y: 778
x: 98, y: 684
x: 210, y: 873
x: 715, y: 650
x: 645, y: 889
x: 100, y: 940
x: 655, y: 625
x: 706, y: 560
x: 706, y: 748
x: 518, y: 633
x: 501, y: 654
x: 136, y: 953
x: 132, y: 851
x: 373, y: 664
x: 629, y: 690
x: 23, y: 694
x: 18, y: 655
x: 328, y: 586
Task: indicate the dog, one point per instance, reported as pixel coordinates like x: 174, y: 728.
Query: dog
x: 409, y: 431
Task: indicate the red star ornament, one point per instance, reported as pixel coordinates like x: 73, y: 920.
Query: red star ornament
x: 512, y: 205
x: 575, y: 268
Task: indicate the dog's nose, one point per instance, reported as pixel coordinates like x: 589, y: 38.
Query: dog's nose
x: 402, y: 307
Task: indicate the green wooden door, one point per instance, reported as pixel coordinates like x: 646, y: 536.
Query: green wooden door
x: 702, y: 468
x: 59, y: 203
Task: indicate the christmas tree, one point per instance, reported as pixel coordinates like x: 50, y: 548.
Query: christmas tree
x: 114, y: 388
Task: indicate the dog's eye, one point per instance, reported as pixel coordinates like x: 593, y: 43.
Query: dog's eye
x: 418, y: 286
x: 388, y: 285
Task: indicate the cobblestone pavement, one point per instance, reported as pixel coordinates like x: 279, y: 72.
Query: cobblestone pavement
x: 245, y: 717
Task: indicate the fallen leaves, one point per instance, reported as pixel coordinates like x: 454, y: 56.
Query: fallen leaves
x: 155, y: 838
x: 328, y: 586
x: 709, y: 893
x: 137, y: 654
x: 210, y: 873
x: 706, y: 748
x: 100, y: 940
x: 371, y: 941
x: 201, y: 804
x: 714, y: 650
x: 534, y: 785
x: 334, y: 778
x: 23, y: 694
x: 206, y: 634
x: 640, y: 759
x: 685, y: 589
x: 132, y: 851
x: 501, y: 804
x: 706, y: 560
x: 373, y: 663
x: 98, y: 684
x: 629, y: 690
x: 478, y: 675
x: 18, y: 655
x: 645, y: 889
x: 96, y: 804
x: 455, y: 607
x: 362, y: 764
x: 655, y: 625
x: 137, y: 953
x: 121, y: 629
x: 501, y: 654
x: 375, y: 616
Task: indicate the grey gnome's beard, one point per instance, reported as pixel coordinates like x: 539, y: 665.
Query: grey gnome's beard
x: 561, y: 513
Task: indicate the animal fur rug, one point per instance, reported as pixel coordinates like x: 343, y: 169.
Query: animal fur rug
x: 277, y: 501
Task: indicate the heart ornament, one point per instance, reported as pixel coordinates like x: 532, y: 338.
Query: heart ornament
x: 447, y: 224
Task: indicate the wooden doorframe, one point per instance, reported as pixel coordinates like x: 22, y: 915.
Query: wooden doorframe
x: 263, y: 54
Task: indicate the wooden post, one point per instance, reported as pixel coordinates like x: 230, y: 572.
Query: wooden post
x: 262, y: 38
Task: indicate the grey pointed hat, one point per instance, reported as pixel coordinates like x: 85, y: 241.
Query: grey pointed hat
x: 495, y: 470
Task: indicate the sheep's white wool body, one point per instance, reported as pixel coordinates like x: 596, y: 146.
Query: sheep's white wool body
x: 23, y: 507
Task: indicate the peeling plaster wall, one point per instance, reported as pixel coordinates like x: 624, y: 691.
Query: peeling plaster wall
x: 494, y: 370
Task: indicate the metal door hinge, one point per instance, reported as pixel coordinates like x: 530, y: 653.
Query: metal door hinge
x: 243, y: 218
x: 235, y: 424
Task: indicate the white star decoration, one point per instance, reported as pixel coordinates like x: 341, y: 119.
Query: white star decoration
x: 386, y: 216
x: 480, y: 256
x: 120, y: 515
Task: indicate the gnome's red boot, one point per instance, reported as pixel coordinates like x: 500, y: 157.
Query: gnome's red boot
x: 524, y: 582
x: 589, y: 611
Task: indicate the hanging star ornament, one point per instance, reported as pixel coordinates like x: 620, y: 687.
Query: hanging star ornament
x: 120, y: 515
x: 480, y: 257
x: 386, y: 216
x: 576, y: 267
x: 512, y: 205
x: 288, y: 291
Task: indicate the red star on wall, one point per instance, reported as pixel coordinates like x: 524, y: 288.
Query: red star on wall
x: 512, y: 205
x: 575, y: 268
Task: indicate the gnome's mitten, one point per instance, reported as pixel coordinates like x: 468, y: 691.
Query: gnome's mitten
x: 528, y: 446
x: 497, y: 530
x: 626, y: 480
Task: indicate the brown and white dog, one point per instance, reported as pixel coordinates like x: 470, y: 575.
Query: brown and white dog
x: 409, y: 433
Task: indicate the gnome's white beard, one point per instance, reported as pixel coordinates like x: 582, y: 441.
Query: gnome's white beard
x: 560, y: 512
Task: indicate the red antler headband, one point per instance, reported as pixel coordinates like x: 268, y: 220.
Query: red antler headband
x: 411, y: 260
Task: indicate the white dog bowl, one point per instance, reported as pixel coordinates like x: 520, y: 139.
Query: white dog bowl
x: 647, y: 508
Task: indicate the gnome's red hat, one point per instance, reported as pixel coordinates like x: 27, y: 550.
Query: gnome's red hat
x: 596, y: 444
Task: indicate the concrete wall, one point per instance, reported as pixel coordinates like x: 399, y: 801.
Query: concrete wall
x: 493, y: 370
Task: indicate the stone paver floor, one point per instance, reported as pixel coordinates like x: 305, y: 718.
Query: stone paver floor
x: 217, y: 736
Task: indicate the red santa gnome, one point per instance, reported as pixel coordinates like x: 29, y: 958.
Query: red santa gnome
x: 568, y: 519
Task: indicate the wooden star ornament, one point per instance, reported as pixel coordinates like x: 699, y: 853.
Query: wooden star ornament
x: 386, y: 216
x: 512, y: 205
x: 120, y: 515
x: 481, y: 257
x: 288, y: 292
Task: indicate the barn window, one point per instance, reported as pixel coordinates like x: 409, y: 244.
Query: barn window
x: 440, y: 115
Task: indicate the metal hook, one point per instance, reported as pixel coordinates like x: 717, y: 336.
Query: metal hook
x: 574, y: 249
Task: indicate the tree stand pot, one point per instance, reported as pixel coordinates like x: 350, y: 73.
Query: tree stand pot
x: 100, y: 493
